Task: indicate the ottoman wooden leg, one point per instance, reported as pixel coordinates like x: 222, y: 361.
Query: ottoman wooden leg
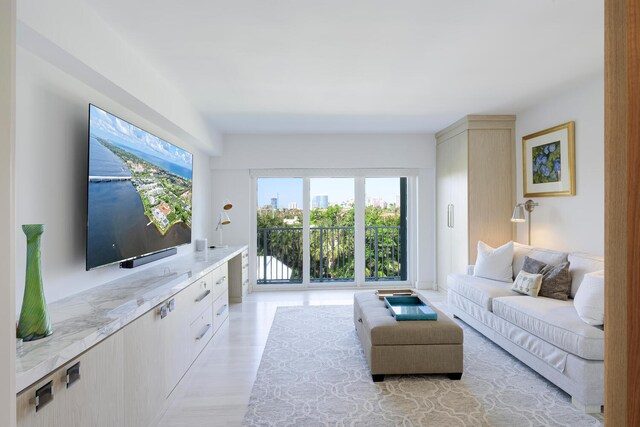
x: 455, y: 375
x: 377, y: 378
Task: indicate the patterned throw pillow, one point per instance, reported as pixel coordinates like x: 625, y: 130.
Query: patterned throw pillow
x: 527, y: 283
x: 556, y: 281
x: 532, y: 265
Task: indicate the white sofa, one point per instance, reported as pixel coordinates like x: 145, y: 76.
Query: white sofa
x: 544, y: 333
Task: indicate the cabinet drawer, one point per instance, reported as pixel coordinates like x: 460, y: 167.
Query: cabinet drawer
x: 220, y: 310
x: 200, y: 295
x: 201, y: 331
x: 245, y: 285
x: 220, y: 280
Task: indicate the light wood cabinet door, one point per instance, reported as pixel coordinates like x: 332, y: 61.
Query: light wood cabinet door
x: 95, y: 397
x: 92, y: 398
x: 490, y: 153
x: 475, y: 189
x: 452, y: 207
x: 459, y: 203
x: 175, y: 327
x: 53, y: 409
x: 443, y: 205
x: 144, y: 391
x: 239, y: 277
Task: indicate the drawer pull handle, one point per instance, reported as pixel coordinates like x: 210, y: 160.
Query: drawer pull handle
x: 222, y: 310
x: 44, y: 395
x: 73, y: 374
x: 221, y: 280
x: 203, y: 296
x: 204, y: 332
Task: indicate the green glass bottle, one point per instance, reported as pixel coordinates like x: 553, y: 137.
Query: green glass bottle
x: 34, y: 318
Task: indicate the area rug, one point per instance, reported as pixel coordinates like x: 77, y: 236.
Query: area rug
x: 313, y: 373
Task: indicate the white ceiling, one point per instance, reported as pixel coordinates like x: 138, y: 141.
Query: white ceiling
x: 362, y: 65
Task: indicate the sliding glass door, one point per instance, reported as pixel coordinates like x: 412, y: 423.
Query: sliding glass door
x: 332, y: 231
x: 279, y: 230
x: 386, y: 229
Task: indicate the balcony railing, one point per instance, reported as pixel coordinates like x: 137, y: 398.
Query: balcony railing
x: 279, y: 255
x: 332, y: 256
x: 382, y: 253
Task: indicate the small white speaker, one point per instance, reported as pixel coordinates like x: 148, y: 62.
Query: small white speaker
x: 201, y: 245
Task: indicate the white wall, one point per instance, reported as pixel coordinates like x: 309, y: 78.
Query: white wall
x: 71, y: 35
x: 51, y: 168
x: 230, y: 177
x: 7, y: 220
x: 570, y: 223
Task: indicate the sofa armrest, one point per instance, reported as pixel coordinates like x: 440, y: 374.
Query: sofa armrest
x: 470, y: 269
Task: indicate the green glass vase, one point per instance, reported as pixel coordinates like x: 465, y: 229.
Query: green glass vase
x: 34, y: 318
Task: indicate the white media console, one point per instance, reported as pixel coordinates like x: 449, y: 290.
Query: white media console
x: 118, y: 350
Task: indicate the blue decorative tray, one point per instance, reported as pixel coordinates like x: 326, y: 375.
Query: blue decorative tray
x: 409, y: 308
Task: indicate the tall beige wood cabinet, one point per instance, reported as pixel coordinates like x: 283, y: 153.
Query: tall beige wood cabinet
x: 475, y: 190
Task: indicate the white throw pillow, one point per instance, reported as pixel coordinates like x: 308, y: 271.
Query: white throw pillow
x: 495, y: 263
x: 589, y: 300
x: 527, y: 283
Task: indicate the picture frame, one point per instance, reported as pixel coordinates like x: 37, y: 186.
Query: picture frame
x: 548, y: 162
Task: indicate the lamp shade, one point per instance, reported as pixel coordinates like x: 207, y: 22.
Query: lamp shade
x: 224, y: 218
x: 227, y: 205
x: 518, y: 214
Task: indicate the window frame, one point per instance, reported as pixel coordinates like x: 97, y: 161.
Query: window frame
x: 359, y: 176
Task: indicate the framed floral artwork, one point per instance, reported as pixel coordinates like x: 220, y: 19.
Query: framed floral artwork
x: 548, y: 159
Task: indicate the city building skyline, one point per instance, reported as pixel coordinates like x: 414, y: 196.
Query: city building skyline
x: 340, y: 191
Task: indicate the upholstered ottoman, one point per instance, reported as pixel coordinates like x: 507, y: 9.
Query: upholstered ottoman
x: 406, y: 347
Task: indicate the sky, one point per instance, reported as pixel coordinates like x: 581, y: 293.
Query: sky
x: 338, y: 189
x: 132, y: 136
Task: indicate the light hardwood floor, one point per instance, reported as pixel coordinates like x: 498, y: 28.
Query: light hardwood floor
x: 216, y: 390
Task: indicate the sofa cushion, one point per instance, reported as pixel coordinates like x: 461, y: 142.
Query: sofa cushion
x: 545, y: 255
x: 494, y: 263
x: 589, y: 300
x: 554, y: 321
x: 479, y: 290
x: 582, y: 264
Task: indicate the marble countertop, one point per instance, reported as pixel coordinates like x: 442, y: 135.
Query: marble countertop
x: 84, y: 319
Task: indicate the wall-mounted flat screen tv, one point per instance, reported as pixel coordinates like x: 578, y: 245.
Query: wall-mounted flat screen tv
x: 138, y: 193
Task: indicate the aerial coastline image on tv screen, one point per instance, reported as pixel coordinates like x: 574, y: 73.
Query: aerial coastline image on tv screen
x: 139, y: 191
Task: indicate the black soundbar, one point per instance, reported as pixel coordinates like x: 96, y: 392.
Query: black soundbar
x: 137, y: 262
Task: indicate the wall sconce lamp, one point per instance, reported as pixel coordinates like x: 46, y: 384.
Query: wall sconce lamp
x: 518, y: 215
x: 223, y: 219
